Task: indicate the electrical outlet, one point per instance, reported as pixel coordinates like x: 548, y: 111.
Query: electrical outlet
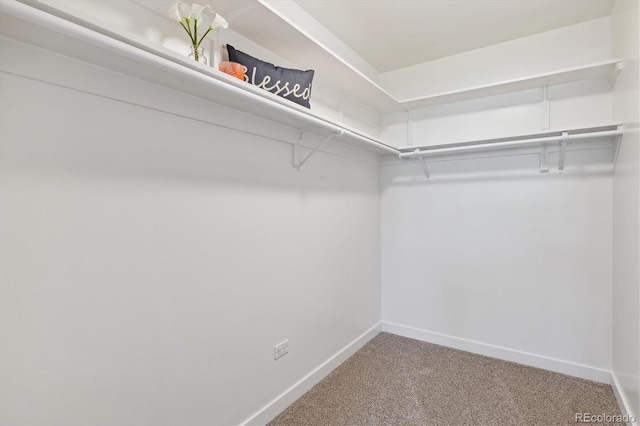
x: 280, y: 349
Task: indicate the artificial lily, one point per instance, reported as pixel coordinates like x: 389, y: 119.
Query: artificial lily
x: 190, y: 19
x: 218, y: 22
x: 196, y: 11
x: 179, y: 11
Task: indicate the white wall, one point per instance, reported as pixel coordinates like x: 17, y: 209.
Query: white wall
x: 626, y: 210
x: 493, y: 257
x: 150, y: 261
x: 577, y: 105
x: 516, y: 264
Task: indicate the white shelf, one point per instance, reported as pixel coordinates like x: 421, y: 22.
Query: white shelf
x: 607, y: 69
x: 137, y: 58
x: 265, y: 26
x: 257, y: 22
x: 277, y: 33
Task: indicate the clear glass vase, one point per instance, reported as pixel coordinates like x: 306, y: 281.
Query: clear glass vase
x: 197, y: 54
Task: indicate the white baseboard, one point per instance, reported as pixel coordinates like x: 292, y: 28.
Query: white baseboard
x: 622, y: 401
x: 546, y: 363
x: 282, y: 401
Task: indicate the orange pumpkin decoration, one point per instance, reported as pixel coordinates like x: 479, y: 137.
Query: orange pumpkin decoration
x: 232, y: 68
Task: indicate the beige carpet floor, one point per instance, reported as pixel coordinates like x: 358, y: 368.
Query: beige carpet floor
x: 398, y: 381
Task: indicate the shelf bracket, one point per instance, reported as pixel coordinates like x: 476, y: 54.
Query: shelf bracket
x: 545, y: 122
x: 618, y: 143
x: 615, y: 73
x: 544, y: 159
x: 563, y: 151
x: 410, y: 129
x: 423, y: 164
x: 296, y: 149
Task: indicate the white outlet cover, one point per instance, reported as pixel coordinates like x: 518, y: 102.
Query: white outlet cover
x: 281, y: 349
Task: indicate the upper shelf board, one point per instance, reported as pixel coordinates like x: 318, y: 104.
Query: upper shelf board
x: 609, y: 69
x: 259, y: 23
x: 280, y: 34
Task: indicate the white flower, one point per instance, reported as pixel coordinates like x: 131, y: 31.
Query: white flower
x: 219, y: 21
x: 180, y: 11
x: 174, y: 12
x: 196, y: 11
x: 191, y: 17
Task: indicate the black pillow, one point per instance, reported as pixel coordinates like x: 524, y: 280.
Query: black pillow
x: 291, y: 84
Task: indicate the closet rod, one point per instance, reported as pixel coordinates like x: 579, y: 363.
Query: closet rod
x: 369, y: 141
x: 521, y: 142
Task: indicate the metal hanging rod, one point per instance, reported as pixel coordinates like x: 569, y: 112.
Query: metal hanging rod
x: 521, y: 142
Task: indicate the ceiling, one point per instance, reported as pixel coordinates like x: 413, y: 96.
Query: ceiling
x: 393, y: 34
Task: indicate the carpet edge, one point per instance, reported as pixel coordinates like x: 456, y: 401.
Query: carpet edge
x: 286, y: 398
x: 569, y: 368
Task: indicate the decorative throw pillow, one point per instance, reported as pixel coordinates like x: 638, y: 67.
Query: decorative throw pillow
x: 291, y: 84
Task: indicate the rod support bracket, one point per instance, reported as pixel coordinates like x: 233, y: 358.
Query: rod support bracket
x: 544, y: 158
x: 423, y: 163
x: 563, y: 151
x: 618, y: 143
x: 296, y: 149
